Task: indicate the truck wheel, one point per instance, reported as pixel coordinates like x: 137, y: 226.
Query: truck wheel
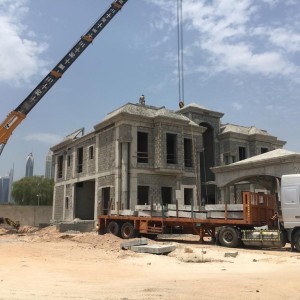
x: 113, y: 227
x: 228, y: 237
x: 296, y: 239
x: 128, y: 231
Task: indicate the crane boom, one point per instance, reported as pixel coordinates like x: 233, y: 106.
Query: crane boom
x: 19, y: 114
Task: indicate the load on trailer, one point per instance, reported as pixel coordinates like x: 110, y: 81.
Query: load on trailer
x: 278, y: 219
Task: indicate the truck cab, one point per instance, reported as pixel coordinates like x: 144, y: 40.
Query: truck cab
x: 290, y: 201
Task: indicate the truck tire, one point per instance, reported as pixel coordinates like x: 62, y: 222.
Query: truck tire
x: 113, y: 227
x: 228, y: 237
x: 128, y: 231
x: 296, y: 239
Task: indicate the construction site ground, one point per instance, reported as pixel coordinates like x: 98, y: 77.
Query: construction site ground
x: 46, y: 264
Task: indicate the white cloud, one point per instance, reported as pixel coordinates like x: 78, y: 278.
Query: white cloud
x: 19, y: 52
x: 237, y: 106
x: 271, y: 2
x: 46, y: 138
x: 287, y: 39
x: 234, y: 41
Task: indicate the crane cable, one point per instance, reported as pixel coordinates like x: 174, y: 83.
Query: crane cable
x: 180, y: 54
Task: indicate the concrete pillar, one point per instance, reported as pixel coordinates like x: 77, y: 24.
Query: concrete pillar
x: 64, y: 204
x: 225, y: 195
x: 73, y: 200
x: 97, y: 191
x: 118, y: 172
x: 54, y: 202
x: 124, y: 176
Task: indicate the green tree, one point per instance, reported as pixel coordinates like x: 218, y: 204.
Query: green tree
x: 34, y: 190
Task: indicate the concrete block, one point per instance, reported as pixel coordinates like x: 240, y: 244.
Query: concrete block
x: 155, y: 207
x: 82, y: 226
x: 142, y: 207
x: 185, y: 214
x: 221, y: 215
x: 153, y: 214
x: 221, y: 207
x: 154, y: 249
x: 125, y: 212
x: 137, y: 242
x: 183, y: 207
x: 200, y: 216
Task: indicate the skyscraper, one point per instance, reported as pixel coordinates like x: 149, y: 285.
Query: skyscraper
x: 6, y: 187
x: 49, y: 168
x: 29, y: 165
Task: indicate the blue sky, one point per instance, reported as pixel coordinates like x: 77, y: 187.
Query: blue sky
x: 241, y: 58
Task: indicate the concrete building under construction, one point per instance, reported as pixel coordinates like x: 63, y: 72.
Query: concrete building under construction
x: 145, y: 155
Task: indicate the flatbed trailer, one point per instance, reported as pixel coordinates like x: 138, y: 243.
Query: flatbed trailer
x: 258, y: 210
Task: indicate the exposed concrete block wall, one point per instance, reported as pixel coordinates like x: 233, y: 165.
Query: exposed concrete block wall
x: 27, y: 215
x: 91, y: 165
x: 82, y: 226
x: 188, y: 180
x: 68, y: 212
x: 86, y: 163
x: 155, y: 183
x: 176, y: 130
x: 58, y: 203
x: 106, y: 150
x: 151, y: 148
x: 103, y: 182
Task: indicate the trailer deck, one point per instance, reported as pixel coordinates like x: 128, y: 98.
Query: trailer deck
x: 258, y: 210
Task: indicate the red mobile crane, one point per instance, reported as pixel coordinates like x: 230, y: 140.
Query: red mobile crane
x: 19, y: 114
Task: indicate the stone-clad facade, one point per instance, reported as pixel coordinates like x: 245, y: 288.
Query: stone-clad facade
x: 141, y: 154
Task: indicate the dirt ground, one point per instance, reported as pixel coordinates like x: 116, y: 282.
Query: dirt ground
x: 46, y: 264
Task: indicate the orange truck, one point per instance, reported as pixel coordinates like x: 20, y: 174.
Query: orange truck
x: 263, y: 220
x: 230, y: 230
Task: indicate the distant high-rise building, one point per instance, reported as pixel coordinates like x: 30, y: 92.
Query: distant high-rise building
x: 49, y: 169
x: 29, y: 165
x: 4, y: 189
x: 11, y: 179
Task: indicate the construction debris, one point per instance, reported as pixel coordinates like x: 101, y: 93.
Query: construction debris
x: 141, y: 246
x: 136, y: 242
x: 153, y: 249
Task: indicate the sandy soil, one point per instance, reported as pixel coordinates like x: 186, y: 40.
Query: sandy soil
x: 46, y: 264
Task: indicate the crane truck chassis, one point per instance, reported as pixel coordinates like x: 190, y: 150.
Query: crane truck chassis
x: 266, y: 222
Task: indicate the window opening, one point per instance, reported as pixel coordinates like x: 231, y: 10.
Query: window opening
x: 242, y: 153
x: 67, y: 202
x: 264, y: 150
x: 60, y: 166
x: 143, y: 195
x: 91, y: 152
x: 188, y: 196
x: 166, y: 195
x: 171, y: 148
x: 79, y: 160
x: 142, y: 147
